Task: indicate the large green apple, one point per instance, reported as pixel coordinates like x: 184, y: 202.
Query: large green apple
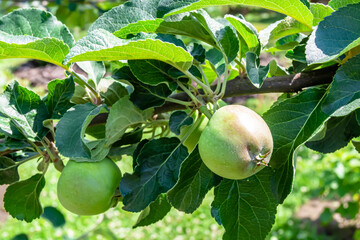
x: 236, y: 143
x: 87, y: 188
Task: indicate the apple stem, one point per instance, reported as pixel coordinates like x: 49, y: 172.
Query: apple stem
x: 53, y: 154
x: 203, y: 74
x: 189, y: 93
x: 206, y: 112
x: 206, y: 88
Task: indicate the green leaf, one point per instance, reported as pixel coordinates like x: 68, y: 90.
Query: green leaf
x: 265, y: 34
x: 217, y: 60
x: 36, y: 23
x: 185, y: 25
x: 293, y: 8
x: 8, y: 171
x: 335, y: 35
x: 247, y: 31
x: 138, y: 151
x: 156, y: 211
x: 21, y: 236
x: 23, y: 155
x: 111, y: 90
x: 133, y: 28
x: 12, y: 144
x: 336, y: 4
x: 287, y: 43
x: 320, y: 11
x: 94, y: 70
x: 153, y: 72
x: 124, y: 14
x: 339, y: 132
x: 276, y: 70
x: 101, y: 45
x: 282, y: 181
x: 144, y: 96
x: 195, y: 180
x: 59, y: 95
x: 80, y: 95
x: 99, y: 149
x: 52, y: 214
x: 344, y: 92
x: 145, y: 16
x: 9, y: 129
x: 96, y: 131
x: 297, y: 54
x: 198, y: 52
x: 224, y: 36
x: 292, y: 122
x: 117, y: 153
x: 46, y: 49
x: 306, y: 3
x: 179, y: 119
x: 356, y: 145
x: 33, y: 33
x: 25, y: 110
x: 156, y: 172
x: 123, y: 115
x: 256, y: 73
x: 132, y: 137
x: 246, y: 208
x: 70, y: 133
x: 21, y: 199
x: 282, y: 28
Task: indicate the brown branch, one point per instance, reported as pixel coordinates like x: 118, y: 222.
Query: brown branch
x: 6, y: 152
x: 283, y: 84
x: 243, y: 86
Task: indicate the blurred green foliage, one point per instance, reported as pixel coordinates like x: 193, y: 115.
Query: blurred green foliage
x: 333, y: 177
x: 77, y: 15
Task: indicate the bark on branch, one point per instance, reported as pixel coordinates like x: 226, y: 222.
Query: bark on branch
x: 243, y: 86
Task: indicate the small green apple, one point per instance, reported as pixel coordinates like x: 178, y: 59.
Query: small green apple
x: 87, y: 188
x: 236, y: 143
x: 194, y: 137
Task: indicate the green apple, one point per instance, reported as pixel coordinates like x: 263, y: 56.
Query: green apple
x: 87, y: 188
x: 194, y: 136
x: 236, y: 143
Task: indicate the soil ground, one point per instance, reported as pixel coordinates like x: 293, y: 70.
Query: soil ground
x: 3, y: 214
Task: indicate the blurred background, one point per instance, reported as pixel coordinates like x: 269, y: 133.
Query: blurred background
x: 323, y: 205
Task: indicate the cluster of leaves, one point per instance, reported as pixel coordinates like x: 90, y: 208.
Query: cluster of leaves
x: 158, y: 48
x: 73, y: 14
